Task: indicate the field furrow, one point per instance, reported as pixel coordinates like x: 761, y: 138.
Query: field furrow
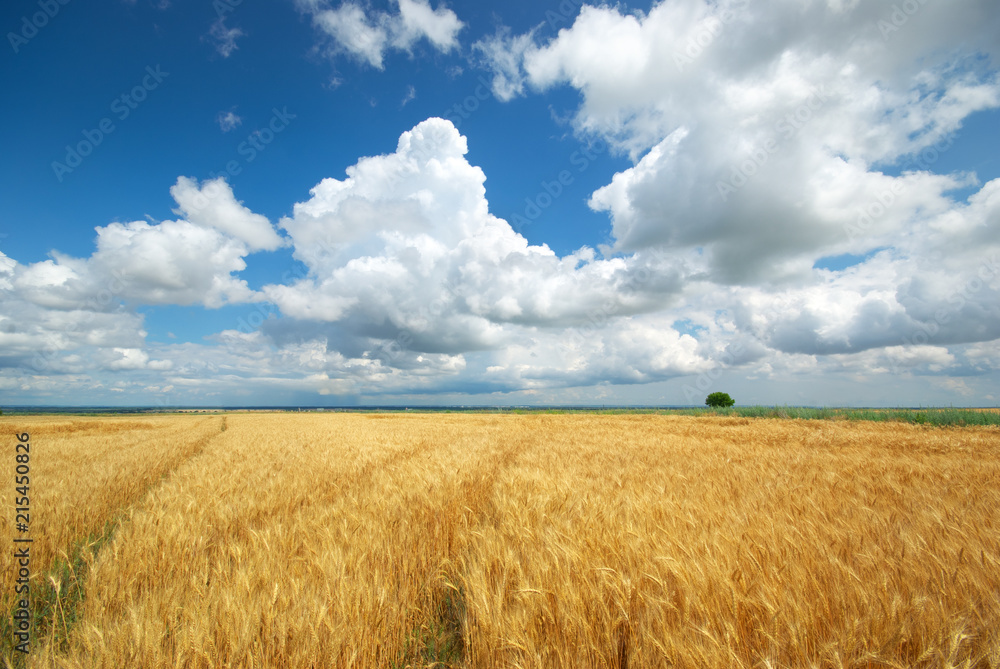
x: 87, y: 475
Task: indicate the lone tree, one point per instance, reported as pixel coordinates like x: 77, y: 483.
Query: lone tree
x: 719, y: 400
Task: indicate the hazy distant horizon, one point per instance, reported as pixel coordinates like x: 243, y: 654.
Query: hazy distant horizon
x: 441, y: 407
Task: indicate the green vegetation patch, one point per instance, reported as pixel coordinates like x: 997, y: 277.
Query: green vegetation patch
x: 937, y: 417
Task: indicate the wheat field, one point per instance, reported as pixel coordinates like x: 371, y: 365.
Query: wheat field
x: 457, y: 540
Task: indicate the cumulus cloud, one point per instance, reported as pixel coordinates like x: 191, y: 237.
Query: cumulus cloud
x: 417, y: 20
x: 213, y: 205
x: 193, y: 260
x: 406, y: 243
x: 68, y: 326
x: 759, y: 153
x: 411, y: 286
x: 368, y: 35
x: 784, y: 216
x: 173, y: 262
x: 43, y: 333
x: 756, y: 152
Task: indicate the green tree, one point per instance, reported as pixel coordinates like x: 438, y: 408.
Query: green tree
x: 719, y: 400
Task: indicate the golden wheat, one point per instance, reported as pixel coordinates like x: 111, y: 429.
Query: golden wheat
x: 355, y: 540
x: 85, y: 473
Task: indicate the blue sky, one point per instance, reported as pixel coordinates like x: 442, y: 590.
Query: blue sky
x: 327, y: 203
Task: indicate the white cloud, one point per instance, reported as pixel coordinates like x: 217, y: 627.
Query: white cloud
x: 417, y: 20
x: 183, y: 262
x: 411, y: 95
x: 406, y: 242
x: 367, y: 37
x: 758, y: 155
x: 504, y: 54
x: 7, y: 266
x: 213, y: 205
x: 173, y: 262
x: 129, y: 358
x: 412, y: 286
x: 228, y: 120
x: 225, y: 38
x: 351, y: 30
